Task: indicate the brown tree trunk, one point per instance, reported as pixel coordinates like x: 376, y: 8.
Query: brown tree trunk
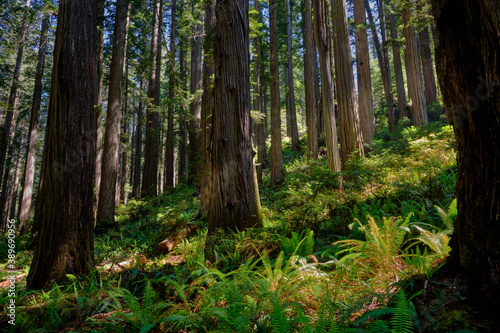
x: 125, y: 143
x: 182, y: 172
x: 310, y: 93
x: 292, y: 131
x: 276, y: 150
x: 398, y: 68
x: 365, y: 99
x: 15, y: 182
x: 64, y: 213
x: 469, y: 77
x: 152, y: 144
x: 136, y: 188
x: 427, y: 66
x: 319, y: 99
x: 207, y: 105
x: 168, y: 176
x: 413, y: 73
x: 235, y: 202
x: 322, y: 36
x: 11, y: 104
x: 110, y: 166
x: 29, y: 166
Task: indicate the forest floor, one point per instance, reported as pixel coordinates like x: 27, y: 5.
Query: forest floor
x: 370, y: 258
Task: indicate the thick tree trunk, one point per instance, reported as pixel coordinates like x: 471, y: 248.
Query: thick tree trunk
x: 469, y: 77
x: 414, y: 73
x: 365, y: 99
x: 427, y: 66
x: 110, y: 166
x: 309, y: 72
x: 322, y: 36
x: 235, y: 202
x: 292, y: 131
x: 64, y: 213
x: 207, y: 105
x: 276, y: 150
x: 29, y: 166
x: 398, y: 68
x: 168, y: 176
x: 152, y: 144
x: 136, y: 188
x: 11, y: 104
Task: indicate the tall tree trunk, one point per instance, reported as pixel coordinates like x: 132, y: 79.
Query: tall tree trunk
x: 195, y: 106
x: 125, y: 139
x: 11, y: 104
x: 323, y: 38
x: 276, y: 150
x: 319, y: 99
x: 168, y: 181
x: 469, y: 76
x: 427, y: 66
x: 182, y: 172
x: 310, y: 93
x: 29, y: 166
x: 235, y: 199
x: 260, y: 136
x: 64, y: 213
x: 398, y: 68
x: 152, y: 144
x: 413, y: 73
x: 365, y: 98
x: 15, y: 182
x: 136, y: 188
x: 292, y: 131
x: 351, y: 137
x: 110, y: 166
x: 207, y: 105
x: 383, y: 63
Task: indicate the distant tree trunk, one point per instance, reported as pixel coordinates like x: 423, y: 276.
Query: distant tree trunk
x: 207, y: 106
x: 276, y: 150
x: 309, y: 71
x: 64, y: 213
x: 413, y: 73
x: 182, y: 172
x: 99, y: 72
x: 383, y: 62
x: 152, y: 144
x: 427, y: 66
x: 365, y: 99
x: 398, y: 68
x: 11, y: 104
x: 168, y: 180
x: 195, y: 106
x: 136, y: 189
x: 322, y: 36
x: 110, y: 166
x: 319, y: 99
x: 235, y: 202
x: 125, y: 139
x: 351, y: 137
x: 15, y: 182
x: 293, y: 131
x: 469, y: 77
x: 29, y: 166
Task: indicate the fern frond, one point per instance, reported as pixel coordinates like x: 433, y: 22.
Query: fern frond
x: 402, y: 321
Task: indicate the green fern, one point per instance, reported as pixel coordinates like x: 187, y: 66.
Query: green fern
x: 402, y: 320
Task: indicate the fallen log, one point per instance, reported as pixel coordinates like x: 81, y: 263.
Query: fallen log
x: 175, y: 238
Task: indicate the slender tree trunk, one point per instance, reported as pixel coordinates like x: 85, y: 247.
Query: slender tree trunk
x: 260, y: 136
x: 427, y: 66
x: 322, y: 36
x: 168, y: 181
x: 398, y: 68
x: 365, y: 98
x: 136, y: 189
x: 414, y: 73
x: 16, y: 175
x: 310, y: 93
x: 235, y: 202
x: 125, y: 139
x: 152, y: 144
x: 64, y: 211
x: 319, y: 99
x: 182, y: 172
x: 195, y: 106
x: 469, y: 76
x: 29, y: 166
x: 276, y: 150
x: 292, y: 131
x: 110, y: 166
x: 207, y: 106
x: 11, y: 104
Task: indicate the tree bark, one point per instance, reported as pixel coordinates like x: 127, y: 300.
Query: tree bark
x: 136, y: 188
x: 398, y: 68
x: 125, y: 141
x: 182, y: 172
x: 64, y: 213
x: 276, y: 150
x: 310, y: 93
x: 29, y: 166
x: 152, y: 144
x: 293, y: 131
x: 323, y: 38
x: 430, y: 89
x: 110, y: 166
x: 168, y: 181
x: 235, y: 202
x: 365, y: 98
